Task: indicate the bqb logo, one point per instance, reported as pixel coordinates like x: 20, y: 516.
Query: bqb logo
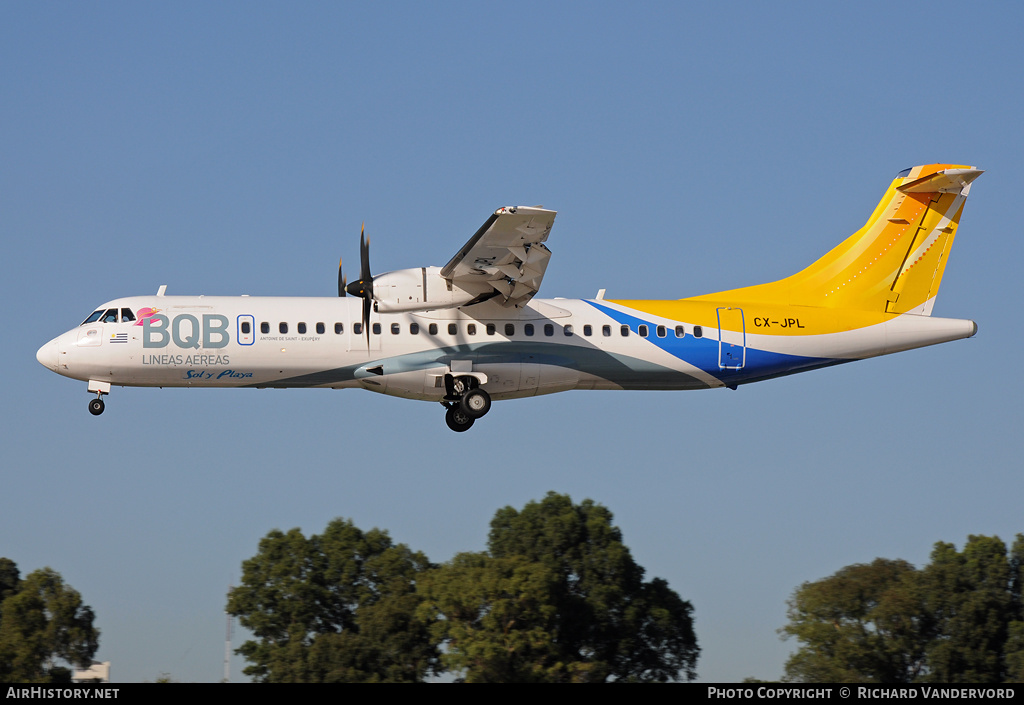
x: 185, y: 331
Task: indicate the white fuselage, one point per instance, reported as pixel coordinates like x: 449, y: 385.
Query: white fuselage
x: 547, y: 346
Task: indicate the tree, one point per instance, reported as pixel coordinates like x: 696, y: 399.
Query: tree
x: 42, y: 620
x: 862, y: 624
x: 498, y: 619
x: 1015, y: 632
x: 338, y: 607
x: 957, y: 620
x: 558, y: 597
x: 968, y: 594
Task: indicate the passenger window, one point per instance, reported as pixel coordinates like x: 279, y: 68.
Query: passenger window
x: 302, y: 329
x: 94, y: 317
x: 549, y: 329
x: 396, y: 329
x: 414, y: 328
x: 264, y: 327
x: 339, y: 328
x: 432, y: 329
x: 471, y: 329
x: 246, y: 327
x: 528, y: 329
x: 661, y: 331
x: 643, y: 331
x: 376, y: 328
x: 283, y: 327
x: 698, y: 332
x: 624, y: 330
x: 491, y: 330
x: 110, y: 316
x: 510, y: 329
x: 567, y: 330
x: 357, y: 328
x: 320, y: 328
x: 680, y: 332
x: 452, y: 329
x: 127, y: 315
x: 588, y: 330
x: 606, y: 331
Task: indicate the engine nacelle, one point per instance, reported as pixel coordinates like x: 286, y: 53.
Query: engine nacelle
x: 421, y: 289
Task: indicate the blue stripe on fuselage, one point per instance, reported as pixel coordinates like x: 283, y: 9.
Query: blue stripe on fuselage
x: 703, y: 352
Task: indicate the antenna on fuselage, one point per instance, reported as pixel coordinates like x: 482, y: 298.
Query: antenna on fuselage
x: 162, y: 290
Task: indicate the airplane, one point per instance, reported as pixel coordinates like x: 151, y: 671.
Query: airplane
x: 472, y: 332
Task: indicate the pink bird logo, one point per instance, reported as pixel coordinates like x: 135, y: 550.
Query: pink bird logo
x: 144, y: 313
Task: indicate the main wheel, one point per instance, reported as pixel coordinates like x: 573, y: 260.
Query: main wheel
x: 96, y: 407
x: 475, y: 403
x: 458, y: 420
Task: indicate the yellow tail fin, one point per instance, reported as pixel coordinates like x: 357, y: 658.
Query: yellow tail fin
x: 892, y: 264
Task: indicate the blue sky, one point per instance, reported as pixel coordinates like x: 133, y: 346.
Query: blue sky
x: 235, y: 148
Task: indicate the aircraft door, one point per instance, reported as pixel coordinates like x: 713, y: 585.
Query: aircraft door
x: 732, y: 338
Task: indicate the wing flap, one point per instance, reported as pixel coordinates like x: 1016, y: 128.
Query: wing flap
x: 507, y: 252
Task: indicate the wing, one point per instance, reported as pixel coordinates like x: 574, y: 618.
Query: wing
x: 507, y: 252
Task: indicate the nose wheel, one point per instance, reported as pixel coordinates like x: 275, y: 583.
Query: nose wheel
x: 96, y: 406
x: 100, y: 388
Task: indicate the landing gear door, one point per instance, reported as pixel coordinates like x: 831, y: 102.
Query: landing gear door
x: 732, y: 338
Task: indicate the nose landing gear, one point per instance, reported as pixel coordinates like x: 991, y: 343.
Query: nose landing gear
x: 465, y: 402
x: 96, y: 406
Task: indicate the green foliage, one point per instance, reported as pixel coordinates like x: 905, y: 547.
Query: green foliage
x: 968, y: 596
x: 558, y: 597
x: 498, y: 619
x: 1015, y: 629
x: 42, y: 620
x: 338, y: 607
x: 855, y: 626
x: 957, y: 620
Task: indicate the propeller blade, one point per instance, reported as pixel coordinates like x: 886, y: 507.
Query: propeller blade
x: 341, y: 280
x: 367, y: 303
x: 364, y: 262
x: 363, y: 287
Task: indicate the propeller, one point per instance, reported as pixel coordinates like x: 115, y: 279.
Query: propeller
x: 363, y: 287
x: 341, y: 280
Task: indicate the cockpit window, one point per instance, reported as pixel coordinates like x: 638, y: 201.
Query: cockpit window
x: 127, y: 315
x: 93, y: 318
x: 110, y: 316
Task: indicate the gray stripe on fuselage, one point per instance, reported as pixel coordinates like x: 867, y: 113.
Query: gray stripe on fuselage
x: 621, y: 370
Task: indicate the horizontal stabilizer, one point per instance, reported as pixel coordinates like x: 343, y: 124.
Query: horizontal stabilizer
x: 945, y: 181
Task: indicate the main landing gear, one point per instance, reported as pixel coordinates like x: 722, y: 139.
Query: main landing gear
x: 465, y: 402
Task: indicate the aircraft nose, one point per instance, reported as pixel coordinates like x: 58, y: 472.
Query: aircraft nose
x: 48, y: 355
